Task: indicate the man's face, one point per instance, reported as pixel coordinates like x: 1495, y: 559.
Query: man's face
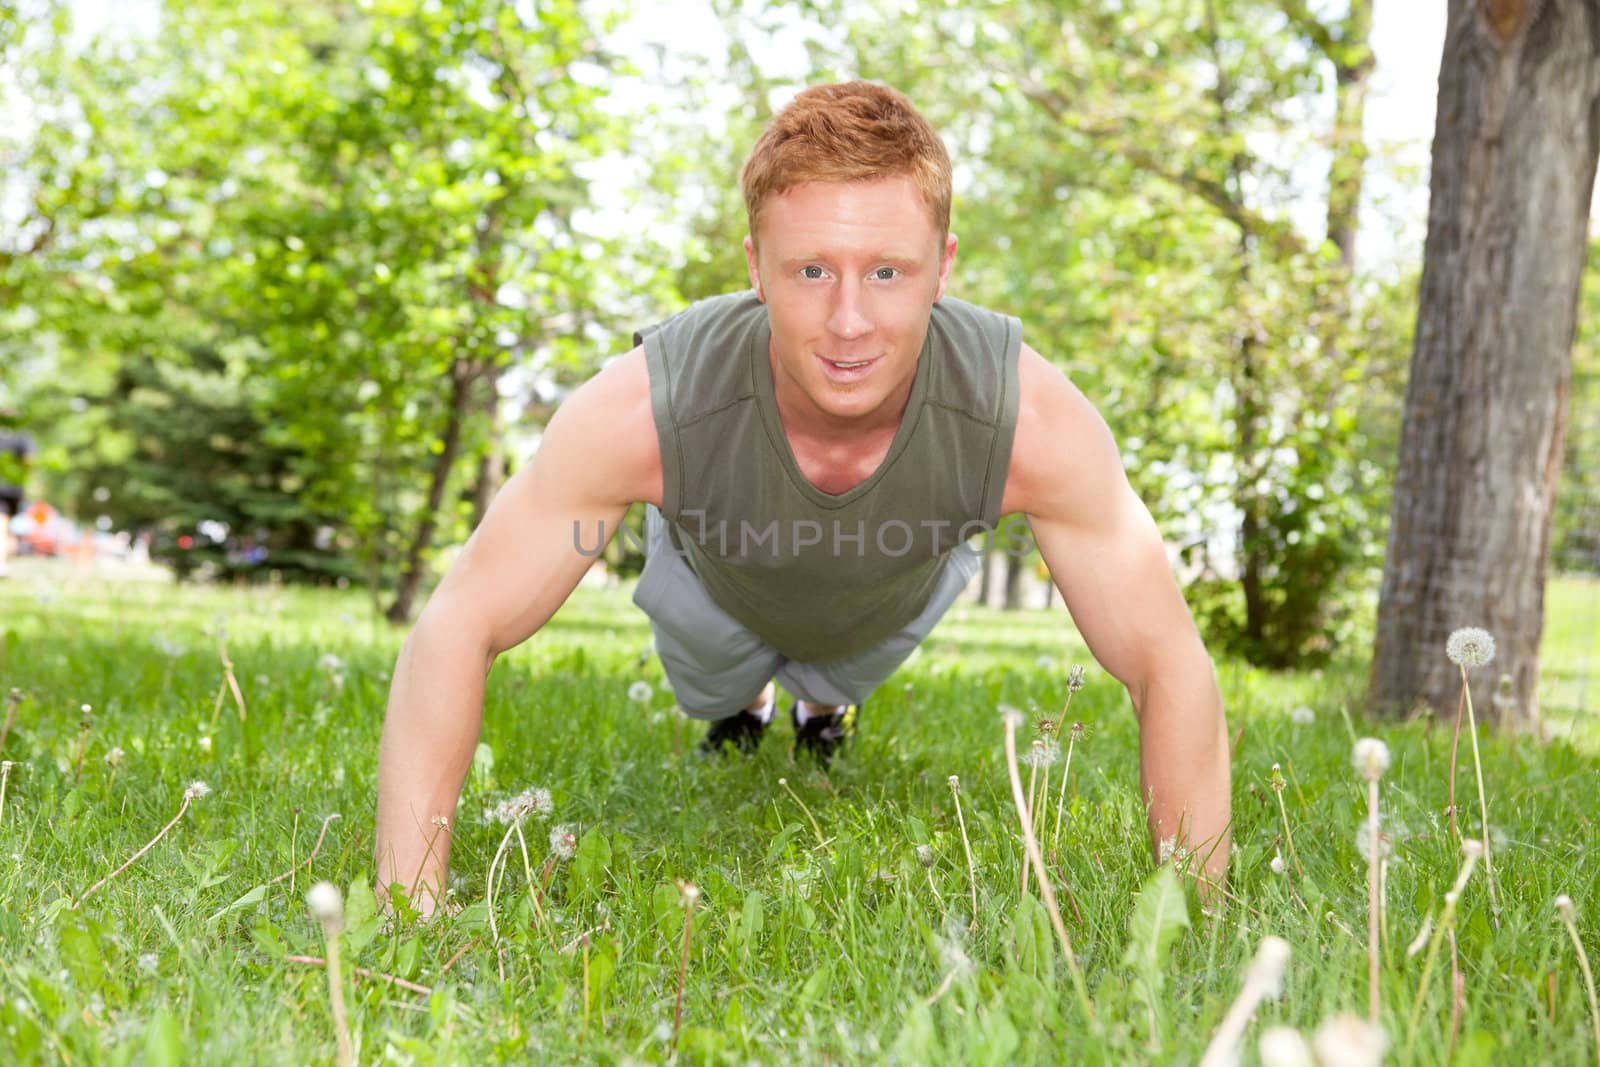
x: 849, y: 272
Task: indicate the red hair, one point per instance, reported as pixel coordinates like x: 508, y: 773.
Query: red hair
x: 850, y: 131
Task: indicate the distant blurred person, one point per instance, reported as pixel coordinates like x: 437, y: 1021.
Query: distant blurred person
x: 18, y: 449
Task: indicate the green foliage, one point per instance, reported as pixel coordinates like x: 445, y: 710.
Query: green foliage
x: 369, y: 212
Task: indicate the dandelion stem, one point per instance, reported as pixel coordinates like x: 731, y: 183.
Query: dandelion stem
x: 1455, y: 743
x: 1061, y: 798
x: 362, y: 972
x: 1033, y: 777
x: 1447, y: 919
x: 1261, y: 981
x: 341, y: 1024
x: 1288, y: 836
x: 533, y: 888
x: 1458, y: 993
x: 1031, y: 847
x: 5, y: 774
x: 683, y: 960
x: 187, y: 800
x: 307, y: 861
x: 1569, y: 917
x: 1373, y: 859
x: 822, y: 842
x: 972, y: 868
x: 1483, y: 803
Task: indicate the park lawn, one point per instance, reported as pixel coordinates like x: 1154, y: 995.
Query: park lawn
x: 817, y: 936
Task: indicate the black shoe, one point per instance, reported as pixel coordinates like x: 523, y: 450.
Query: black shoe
x: 822, y: 735
x: 743, y: 730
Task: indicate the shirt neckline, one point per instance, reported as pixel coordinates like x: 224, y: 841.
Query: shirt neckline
x: 767, y: 402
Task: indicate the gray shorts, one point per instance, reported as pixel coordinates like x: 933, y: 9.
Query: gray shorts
x: 717, y: 666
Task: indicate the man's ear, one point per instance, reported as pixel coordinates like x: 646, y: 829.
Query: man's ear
x: 946, y: 261
x: 750, y: 265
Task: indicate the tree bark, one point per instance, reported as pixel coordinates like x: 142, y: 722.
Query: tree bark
x: 1514, y: 152
x: 462, y: 381
x: 1015, y: 564
x: 492, y: 461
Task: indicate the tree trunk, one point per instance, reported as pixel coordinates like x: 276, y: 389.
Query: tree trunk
x: 461, y: 389
x: 1016, y: 563
x: 492, y: 461
x: 1514, y: 154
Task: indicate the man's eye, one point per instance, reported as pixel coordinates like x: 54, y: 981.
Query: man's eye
x: 811, y: 272
x: 885, y: 273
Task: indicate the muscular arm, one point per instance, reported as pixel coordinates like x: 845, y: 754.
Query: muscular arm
x: 1106, y: 557
x: 598, y: 454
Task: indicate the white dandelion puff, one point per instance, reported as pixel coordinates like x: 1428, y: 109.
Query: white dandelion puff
x: 325, y: 902
x: 1470, y: 647
x: 196, y: 790
x: 563, y: 843
x: 640, y: 692
x: 1302, y: 716
x: 1371, y: 758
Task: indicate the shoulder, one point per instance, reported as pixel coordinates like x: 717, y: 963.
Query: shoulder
x: 703, y: 320
x: 1063, y: 456
x: 975, y: 368
x: 608, y: 426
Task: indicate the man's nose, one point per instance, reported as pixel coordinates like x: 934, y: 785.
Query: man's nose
x: 848, y: 319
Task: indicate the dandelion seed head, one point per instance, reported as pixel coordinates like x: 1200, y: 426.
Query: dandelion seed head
x: 205, y: 744
x: 1275, y: 778
x: 1272, y: 957
x: 1074, y: 678
x: 1349, y: 1041
x: 1564, y: 906
x: 325, y: 902
x: 690, y: 893
x: 1364, y: 845
x: 1302, y: 716
x: 1078, y: 730
x: 1278, y: 866
x: 532, y: 801
x: 1042, y: 754
x: 1471, y: 848
x: 114, y: 757
x: 1470, y: 647
x: 563, y: 842
x: 196, y: 790
x: 1284, y: 1046
x: 955, y: 783
x: 330, y: 663
x: 148, y: 962
x: 1010, y: 715
x: 640, y: 692
x: 925, y: 855
x: 1371, y: 758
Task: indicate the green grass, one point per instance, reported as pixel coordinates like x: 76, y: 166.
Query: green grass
x: 801, y: 951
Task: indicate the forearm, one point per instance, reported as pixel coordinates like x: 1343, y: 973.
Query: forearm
x: 429, y: 734
x: 1184, y: 770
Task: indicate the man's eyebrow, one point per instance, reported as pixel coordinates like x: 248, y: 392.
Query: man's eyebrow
x: 895, y: 259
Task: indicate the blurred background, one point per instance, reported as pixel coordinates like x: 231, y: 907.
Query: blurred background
x: 288, y: 290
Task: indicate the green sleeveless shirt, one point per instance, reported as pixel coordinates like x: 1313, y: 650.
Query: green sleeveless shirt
x: 820, y: 576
